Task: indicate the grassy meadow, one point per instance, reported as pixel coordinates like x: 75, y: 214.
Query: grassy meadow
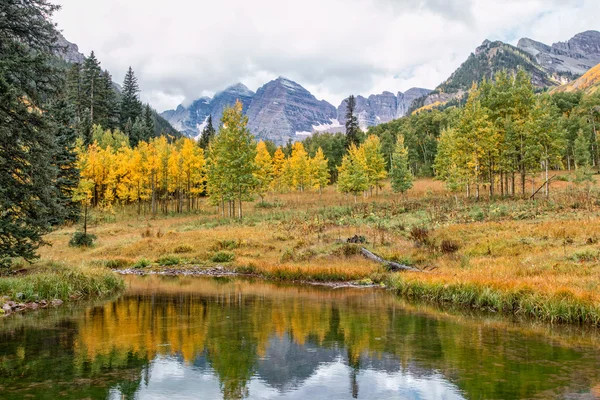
x: 539, y: 258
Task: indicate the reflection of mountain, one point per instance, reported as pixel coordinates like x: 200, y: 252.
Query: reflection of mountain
x: 287, y: 364
x: 187, y: 338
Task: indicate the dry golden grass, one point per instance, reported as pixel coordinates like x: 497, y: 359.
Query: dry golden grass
x: 548, y: 248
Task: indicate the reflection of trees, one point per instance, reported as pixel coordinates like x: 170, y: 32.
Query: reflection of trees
x: 233, y: 325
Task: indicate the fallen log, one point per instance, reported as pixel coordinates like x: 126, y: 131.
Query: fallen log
x: 393, y: 266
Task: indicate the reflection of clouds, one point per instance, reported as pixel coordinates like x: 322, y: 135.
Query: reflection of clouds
x: 171, y: 379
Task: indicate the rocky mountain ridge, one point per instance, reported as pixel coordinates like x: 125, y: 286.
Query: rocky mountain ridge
x: 575, y: 56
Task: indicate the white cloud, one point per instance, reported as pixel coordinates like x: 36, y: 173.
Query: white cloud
x: 183, y: 49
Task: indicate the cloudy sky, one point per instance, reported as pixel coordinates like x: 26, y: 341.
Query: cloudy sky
x: 183, y: 49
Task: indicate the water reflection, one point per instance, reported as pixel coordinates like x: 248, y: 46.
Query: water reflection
x: 203, y: 338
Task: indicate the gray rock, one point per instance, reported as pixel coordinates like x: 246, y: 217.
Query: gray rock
x: 576, y: 56
x: 68, y: 51
x: 57, y: 302
x: 191, y: 120
x: 7, y: 308
x: 282, y: 108
x: 381, y: 108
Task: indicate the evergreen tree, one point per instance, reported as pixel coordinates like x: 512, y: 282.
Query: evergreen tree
x: 352, y: 129
x: 91, y: 76
x: 73, y: 91
x: 149, y: 125
x: 27, y: 175
x: 131, y: 108
x: 208, y: 133
x: 137, y: 132
x: 402, y: 179
x: 65, y: 161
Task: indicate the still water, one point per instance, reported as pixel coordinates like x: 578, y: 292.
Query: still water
x: 197, y: 338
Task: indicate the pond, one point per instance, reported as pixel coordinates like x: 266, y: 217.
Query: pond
x: 190, y: 338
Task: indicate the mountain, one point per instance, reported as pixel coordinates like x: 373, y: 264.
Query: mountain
x: 576, y: 56
x: 381, y: 108
x: 279, y: 110
x: 488, y: 59
x: 192, y: 119
x: 282, y: 110
x: 68, y: 51
x: 588, y: 83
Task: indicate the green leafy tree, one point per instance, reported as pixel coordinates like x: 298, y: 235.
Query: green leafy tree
x: 375, y: 162
x: 401, y: 177
x: 353, y: 176
x: 232, y: 163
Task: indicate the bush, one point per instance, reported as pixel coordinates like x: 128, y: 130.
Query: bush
x: 222, y: 257
x: 168, y: 260
x: 143, y: 263
x: 183, y: 248
x: 246, y: 270
x: 226, y: 245
x: 81, y: 239
x: 419, y: 235
x: 449, y: 247
x: 477, y: 214
x: 348, y: 250
x: 267, y: 205
x: 585, y: 256
x: 117, y: 263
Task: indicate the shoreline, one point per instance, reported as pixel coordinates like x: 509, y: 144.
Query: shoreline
x: 468, y: 296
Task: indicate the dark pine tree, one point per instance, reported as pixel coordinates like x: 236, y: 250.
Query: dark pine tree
x: 149, y: 125
x: 27, y: 79
x: 91, y: 87
x: 73, y: 92
x: 64, y: 160
x: 131, y: 108
x: 208, y: 133
x: 352, y: 129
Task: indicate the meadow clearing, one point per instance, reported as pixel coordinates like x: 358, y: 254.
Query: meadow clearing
x: 538, y: 258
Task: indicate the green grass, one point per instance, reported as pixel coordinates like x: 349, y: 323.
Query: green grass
x: 557, y: 308
x: 64, y: 284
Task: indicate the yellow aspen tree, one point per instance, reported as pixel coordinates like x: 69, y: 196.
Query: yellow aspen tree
x: 264, y: 170
x: 299, y: 166
x: 319, y: 171
x: 278, y: 164
x: 352, y: 174
x: 193, y: 169
x: 375, y: 162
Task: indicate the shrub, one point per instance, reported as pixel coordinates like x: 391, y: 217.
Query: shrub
x: 222, y: 257
x: 117, y: 263
x: 449, y: 247
x: 287, y: 255
x: 585, y: 256
x: 477, y: 214
x: 183, y: 248
x: 266, y: 205
x: 81, y: 239
x: 143, y: 263
x: 226, y: 245
x: 348, y: 250
x: 169, y: 260
x: 246, y: 270
x: 419, y: 235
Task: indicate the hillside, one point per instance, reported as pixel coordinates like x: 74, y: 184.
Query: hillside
x: 588, y: 83
x: 488, y: 59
